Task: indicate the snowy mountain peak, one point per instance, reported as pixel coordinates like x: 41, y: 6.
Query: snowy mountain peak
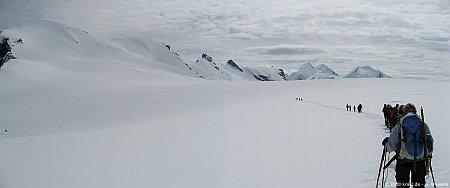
x: 303, y: 73
x: 307, y: 68
x: 308, y: 71
x: 324, y: 72
x: 208, y: 69
x: 366, y: 72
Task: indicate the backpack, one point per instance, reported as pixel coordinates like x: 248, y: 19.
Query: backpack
x: 393, y: 112
x: 411, y: 145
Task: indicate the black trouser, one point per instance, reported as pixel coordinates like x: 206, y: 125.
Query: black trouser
x: 392, y: 122
x: 404, y: 168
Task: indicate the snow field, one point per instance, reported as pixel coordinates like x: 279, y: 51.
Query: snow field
x: 99, y: 114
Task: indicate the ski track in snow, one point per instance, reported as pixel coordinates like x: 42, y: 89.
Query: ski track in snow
x: 376, y: 119
x: 258, y: 135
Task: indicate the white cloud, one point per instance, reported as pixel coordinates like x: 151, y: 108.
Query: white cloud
x: 284, y: 50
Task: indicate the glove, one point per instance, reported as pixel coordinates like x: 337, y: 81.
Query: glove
x: 385, y: 140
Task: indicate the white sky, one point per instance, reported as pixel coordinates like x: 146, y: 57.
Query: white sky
x: 403, y: 38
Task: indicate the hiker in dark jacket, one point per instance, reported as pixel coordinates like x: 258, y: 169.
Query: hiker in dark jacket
x: 400, y: 112
x: 406, y: 164
x: 386, y: 115
x: 393, y: 116
x: 359, y: 108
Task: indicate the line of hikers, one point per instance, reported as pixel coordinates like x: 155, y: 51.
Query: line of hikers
x: 392, y: 114
x: 349, y: 108
x: 412, y: 142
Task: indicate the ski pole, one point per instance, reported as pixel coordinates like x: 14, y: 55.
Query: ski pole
x: 382, y: 177
x: 387, y: 171
x: 381, y: 164
x: 425, y: 139
x: 390, y: 161
x: 432, y: 175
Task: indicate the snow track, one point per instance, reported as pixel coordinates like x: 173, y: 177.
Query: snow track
x: 114, y: 120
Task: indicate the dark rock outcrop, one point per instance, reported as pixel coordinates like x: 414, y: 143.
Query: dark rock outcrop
x: 166, y: 45
x: 231, y: 63
x: 207, y: 57
x: 5, y: 51
x: 262, y: 78
x: 281, y: 73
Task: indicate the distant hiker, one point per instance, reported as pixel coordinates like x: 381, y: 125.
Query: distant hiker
x: 393, y: 116
x: 346, y: 107
x: 408, y: 140
x: 354, y: 108
x: 301, y: 99
x: 386, y: 114
x: 359, y: 108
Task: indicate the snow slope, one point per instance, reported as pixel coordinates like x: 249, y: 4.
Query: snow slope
x: 52, y: 43
x: 49, y: 42
x: 122, y: 118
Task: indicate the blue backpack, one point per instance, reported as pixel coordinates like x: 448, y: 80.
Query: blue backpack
x: 411, y: 136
